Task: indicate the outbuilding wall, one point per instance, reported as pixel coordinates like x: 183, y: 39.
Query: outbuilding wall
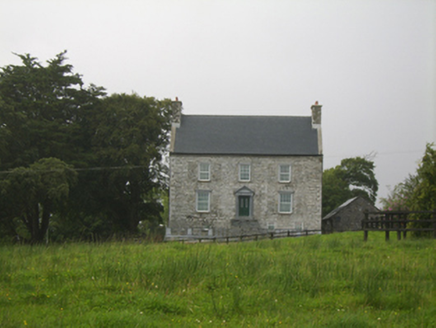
x: 348, y: 218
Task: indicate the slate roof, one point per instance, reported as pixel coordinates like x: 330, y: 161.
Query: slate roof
x: 339, y: 208
x: 246, y: 135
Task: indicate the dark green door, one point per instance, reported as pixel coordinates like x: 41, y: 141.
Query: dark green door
x: 244, y: 205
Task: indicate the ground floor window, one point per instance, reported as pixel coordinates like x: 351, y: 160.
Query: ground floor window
x: 203, y: 201
x: 285, y: 202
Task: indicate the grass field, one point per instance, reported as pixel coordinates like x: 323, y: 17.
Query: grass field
x: 316, y: 281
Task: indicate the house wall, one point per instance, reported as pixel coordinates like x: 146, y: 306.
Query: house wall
x: 350, y: 217
x: 306, y: 179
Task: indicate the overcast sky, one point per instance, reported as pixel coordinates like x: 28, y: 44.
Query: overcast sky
x: 370, y: 63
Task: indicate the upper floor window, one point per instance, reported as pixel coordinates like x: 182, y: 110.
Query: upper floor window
x: 244, y: 172
x: 284, y: 173
x: 203, y: 201
x: 285, y: 202
x: 204, y: 172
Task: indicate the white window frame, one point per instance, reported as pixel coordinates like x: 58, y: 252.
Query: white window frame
x: 202, y: 172
x: 289, y: 173
x: 207, y: 202
x: 240, y: 171
x: 281, y: 202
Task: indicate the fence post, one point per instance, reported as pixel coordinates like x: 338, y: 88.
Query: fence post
x: 405, y: 226
x: 434, y: 224
x: 364, y: 224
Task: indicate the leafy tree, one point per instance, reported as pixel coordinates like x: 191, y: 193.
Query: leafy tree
x: 399, y: 197
x: 418, y: 191
x: 116, y: 143
x: 335, y: 190
x: 42, y: 125
x: 130, y: 136
x: 423, y: 197
x: 41, y: 108
x: 31, y: 195
x: 353, y: 177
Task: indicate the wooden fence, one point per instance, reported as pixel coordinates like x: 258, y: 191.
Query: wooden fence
x: 399, y: 222
x: 246, y: 237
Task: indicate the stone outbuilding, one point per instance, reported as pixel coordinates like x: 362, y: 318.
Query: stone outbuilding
x: 232, y: 175
x: 348, y: 216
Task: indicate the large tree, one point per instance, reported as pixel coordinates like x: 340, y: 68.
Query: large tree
x: 353, y: 177
x: 130, y: 136
x: 115, y: 143
x: 42, y: 127
x: 31, y: 195
x: 42, y: 108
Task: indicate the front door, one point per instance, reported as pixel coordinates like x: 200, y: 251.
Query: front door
x: 244, y: 205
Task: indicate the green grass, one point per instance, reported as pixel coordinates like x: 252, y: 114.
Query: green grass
x: 316, y: 281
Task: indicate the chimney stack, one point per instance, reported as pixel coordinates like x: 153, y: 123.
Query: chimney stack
x: 316, y: 115
x: 316, y: 123
x: 176, y: 116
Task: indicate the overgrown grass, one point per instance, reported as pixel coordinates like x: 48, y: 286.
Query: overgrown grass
x: 316, y: 281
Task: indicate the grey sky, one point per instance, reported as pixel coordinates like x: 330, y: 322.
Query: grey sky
x: 370, y: 63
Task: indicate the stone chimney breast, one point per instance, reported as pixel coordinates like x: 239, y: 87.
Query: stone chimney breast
x: 316, y: 115
x: 177, y: 113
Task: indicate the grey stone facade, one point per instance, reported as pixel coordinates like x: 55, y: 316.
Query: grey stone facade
x: 264, y: 186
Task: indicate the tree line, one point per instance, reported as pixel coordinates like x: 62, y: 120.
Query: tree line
x: 75, y: 162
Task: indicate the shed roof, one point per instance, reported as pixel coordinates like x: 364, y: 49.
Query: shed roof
x: 344, y: 205
x: 340, y: 207
x: 246, y: 135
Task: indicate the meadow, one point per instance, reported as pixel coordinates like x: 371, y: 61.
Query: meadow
x: 317, y: 281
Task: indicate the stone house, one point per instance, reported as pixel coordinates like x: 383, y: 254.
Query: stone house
x: 348, y: 216
x: 233, y: 175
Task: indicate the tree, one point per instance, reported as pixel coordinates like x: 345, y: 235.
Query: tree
x: 130, y: 136
x: 335, y: 190
x: 418, y: 191
x: 353, y: 177
x: 31, y: 195
x: 423, y: 197
x: 42, y: 127
x: 41, y: 112
x: 115, y: 143
x: 399, y: 197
